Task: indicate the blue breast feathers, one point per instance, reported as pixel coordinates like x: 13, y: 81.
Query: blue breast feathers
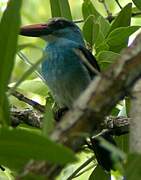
x: 64, y: 72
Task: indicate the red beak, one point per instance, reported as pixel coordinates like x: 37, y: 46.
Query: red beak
x: 35, y: 30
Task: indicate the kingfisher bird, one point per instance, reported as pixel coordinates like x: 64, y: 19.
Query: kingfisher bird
x: 68, y: 66
x: 64, y: 67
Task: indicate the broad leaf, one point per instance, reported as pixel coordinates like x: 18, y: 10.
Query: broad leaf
x: 106, y: 57
x: 35, y: 86
x: 123, y: 19
x: 101, y: 47
x: 60, y: 8
x: 91, y: 30
x: 137, y: 3
x: 123, y: 142
x: 18, y: 146
x: 99, y: 174
x: 118, y: 38
x: 9, y: 28
x: 88, y: 9
x: 100, y: 39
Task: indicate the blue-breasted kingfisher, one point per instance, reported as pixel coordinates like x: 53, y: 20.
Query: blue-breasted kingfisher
x: 68, y: 66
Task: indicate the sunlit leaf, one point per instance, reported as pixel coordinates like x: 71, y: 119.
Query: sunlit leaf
x: 26, y: 45
x: 35, y: 86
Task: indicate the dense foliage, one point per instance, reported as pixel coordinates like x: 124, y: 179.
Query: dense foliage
x: 106, y: 27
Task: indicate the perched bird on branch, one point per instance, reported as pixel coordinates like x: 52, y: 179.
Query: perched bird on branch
x: 68, y: 66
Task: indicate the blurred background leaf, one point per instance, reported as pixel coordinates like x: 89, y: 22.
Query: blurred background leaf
x: 18, y: 146
x: 60, y: 8
x: 8, y: 44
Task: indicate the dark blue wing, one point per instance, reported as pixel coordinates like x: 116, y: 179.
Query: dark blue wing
x: 88, y: 60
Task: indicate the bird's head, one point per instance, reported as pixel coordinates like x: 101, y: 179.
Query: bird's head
x: 54, y: 29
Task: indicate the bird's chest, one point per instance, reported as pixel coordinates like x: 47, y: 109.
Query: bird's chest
x: 65, y: 76
x: 55, y: 67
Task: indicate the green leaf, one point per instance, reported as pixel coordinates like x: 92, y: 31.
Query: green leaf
x: 91, y: 30
x: 128, y: 105
x: 9, y: 29
x: 122, y: 32
x: 123, y: 19
x: 102, y: 47
x: 60, y: 8
x: 88, y: 9
x: 48, y: 120
x: 136, y: 12
x: 100, y: 39
x: 98, y: 173
x: 26, y: 74
x: 18, y: 146
x: 26, y: 45
x: 133, y: 167
x: 35, y: 86
x: 33, y: 67
x: 123, y: 142
x: 115, y: 43
x: 107, y: 56
x: 137, y: 3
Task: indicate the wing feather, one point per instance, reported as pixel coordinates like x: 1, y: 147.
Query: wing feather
x: 88, y: 60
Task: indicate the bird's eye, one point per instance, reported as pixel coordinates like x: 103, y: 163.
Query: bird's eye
x: 60, y: 23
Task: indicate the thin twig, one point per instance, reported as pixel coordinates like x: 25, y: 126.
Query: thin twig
x: 23, y: 57
x: 109, y: 17
x: 136, y: 14
x: 74, y: 174
x: 106, y: 7
x: 78, y: 21
x: 85, y: 170
x: 118, y: 4
x: 28, y: 101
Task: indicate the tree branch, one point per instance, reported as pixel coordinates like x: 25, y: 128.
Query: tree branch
x: 100, y: 97
x: 26, y: 116
x: 97, y: 101
x: 32, y: 103
x: 135, y: 128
